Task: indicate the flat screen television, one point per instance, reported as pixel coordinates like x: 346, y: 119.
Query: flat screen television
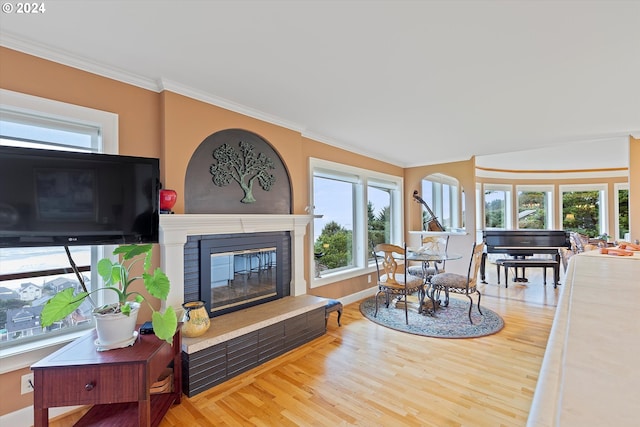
x: 58, y: 198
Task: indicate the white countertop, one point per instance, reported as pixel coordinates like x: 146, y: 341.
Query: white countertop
x: 590, y: 374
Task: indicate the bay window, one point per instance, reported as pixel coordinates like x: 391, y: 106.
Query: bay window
x: 535, y: 209
x: 497, y: 206
x: 584, y: 209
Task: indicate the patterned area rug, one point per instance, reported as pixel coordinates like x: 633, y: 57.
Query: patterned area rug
x: 449, y: 322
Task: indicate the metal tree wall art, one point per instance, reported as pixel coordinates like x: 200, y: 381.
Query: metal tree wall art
x: 242, y: 166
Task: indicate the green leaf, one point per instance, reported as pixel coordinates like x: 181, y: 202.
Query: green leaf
x: 132, y: 251
x: 104, y: 269
x: 60, y: 306
x: 165, y: 325
x: 125, y: 309
x: 157, y: 285
x: 118, y: 274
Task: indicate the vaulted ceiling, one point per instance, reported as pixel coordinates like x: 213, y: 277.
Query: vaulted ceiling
x: 410, y: 82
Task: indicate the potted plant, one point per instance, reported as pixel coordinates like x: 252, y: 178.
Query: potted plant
x: 117, y: 278
x: 604, y: 237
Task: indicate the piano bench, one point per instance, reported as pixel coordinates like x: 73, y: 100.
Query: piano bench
x: 529, y: 263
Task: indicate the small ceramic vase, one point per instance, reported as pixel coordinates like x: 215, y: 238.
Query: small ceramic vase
x: 195, y: 320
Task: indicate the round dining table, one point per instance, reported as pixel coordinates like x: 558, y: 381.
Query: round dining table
x: 427, y: 258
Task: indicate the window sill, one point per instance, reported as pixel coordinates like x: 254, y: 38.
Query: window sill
x: 342, y: 275
x: 24, y: 355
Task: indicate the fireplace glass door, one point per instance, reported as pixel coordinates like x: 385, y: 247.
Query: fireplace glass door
x: 241, y: 277
x: 232, y: 272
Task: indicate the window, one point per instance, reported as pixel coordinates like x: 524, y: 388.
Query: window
x: 444, y: 197
x: 622, y: 211
x: 355, y: 207
x: 335, y: 242
x: 584, y: 209
x: 497, y: 206
x: 382, y: 220
x: 534, y: 207
x: 30, y: 276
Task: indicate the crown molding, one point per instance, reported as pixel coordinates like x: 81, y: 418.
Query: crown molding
x: 175, y: 87
x: 355, y: 150
x: 551, y: 175
x: 165, y: 84
x: 64, y: 57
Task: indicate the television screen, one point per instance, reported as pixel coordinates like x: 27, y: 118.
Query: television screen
x: 50, y: 197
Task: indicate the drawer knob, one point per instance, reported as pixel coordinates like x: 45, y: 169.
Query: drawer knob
x: 89, y: 386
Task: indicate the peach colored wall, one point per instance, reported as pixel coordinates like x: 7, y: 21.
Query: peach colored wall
x: 634, y: 188
x: 138, y: 109
x: 187, y: 122
x: 12, y: 400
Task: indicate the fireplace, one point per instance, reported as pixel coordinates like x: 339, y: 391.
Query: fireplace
x: 230, y: 272
x: 246, y: 338
x: 175, y: 231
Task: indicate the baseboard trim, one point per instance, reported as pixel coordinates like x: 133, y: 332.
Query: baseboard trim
x: 359, y: 295
x: 24, y: 417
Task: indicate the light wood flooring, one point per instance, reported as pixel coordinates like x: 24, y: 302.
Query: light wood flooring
x: 367, y: 375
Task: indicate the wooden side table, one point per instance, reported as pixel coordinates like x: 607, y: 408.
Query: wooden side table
x: 116, y: 382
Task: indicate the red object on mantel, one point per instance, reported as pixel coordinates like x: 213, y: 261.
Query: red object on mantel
x: 168, y: 199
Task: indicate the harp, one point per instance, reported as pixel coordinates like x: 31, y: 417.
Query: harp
x: 431, y: 224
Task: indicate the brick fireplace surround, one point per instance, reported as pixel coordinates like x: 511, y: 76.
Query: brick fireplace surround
x: 254, y: 334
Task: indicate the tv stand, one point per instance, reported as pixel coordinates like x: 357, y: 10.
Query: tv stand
x: 116, y: 382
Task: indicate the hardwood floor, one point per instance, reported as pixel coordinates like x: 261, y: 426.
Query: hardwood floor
x: 364, y: 374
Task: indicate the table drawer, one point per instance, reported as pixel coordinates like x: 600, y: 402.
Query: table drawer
x: 79, y: 385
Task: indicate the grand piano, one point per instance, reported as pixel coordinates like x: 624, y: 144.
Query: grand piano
x: 523, y: 243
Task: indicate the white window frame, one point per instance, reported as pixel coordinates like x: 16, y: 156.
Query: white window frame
x: 617, y: 187
x: 603, y: 214
x: 479, y: 208
x: 395, y: 206
x: 548, y: 190
x: 508, y: 214
x: 24, y: 354
x: 363, y: 178
x: 437, y: 180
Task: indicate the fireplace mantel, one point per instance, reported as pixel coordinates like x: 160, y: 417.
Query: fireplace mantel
x: 174, y: 230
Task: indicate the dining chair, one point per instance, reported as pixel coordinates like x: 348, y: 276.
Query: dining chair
x: 458, y: 283
x: 435, y: 244
x: 393, y: 278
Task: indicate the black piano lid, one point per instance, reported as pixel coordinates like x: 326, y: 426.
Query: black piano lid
x: 503, y: 239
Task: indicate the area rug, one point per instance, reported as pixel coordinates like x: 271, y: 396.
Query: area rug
x: 449, y: 322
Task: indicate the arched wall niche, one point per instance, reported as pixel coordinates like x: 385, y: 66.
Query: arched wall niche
x: 461, y: 243
x: 264, y: 189
x: 444, y: 199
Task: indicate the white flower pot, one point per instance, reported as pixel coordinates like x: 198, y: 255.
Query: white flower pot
x: 116, y: 330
